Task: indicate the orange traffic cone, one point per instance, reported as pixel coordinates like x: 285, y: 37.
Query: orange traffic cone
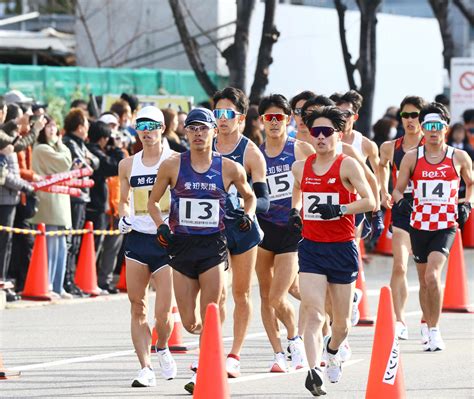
x: 122, y: 283
x: 7, y: 374
x: 385, y: 373
x: 365, y: 319
x: 468, y: 233
x: 212, y: 377
x: 36, y: 284
x: 384, y: 245
x: 154, y: 338
x: 456, y: 298
x: 86, y: 273
x: 175, y: 342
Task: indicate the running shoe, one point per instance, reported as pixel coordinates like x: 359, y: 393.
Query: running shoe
x: 279, y: 363
x: 232, y: 366
x: 314, y: 382
x: 425, y: 333
x: 355, y: 306
x: 401, y: 330
x: 190, y: 384
x: 145, y: 378
x: 436, y: 342
x: 298, y: 355
x: 167, y: 364
x: 333, y: 365
x: 345, y: 351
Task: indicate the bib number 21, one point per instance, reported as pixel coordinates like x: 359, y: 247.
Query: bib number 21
x: 312, y: 200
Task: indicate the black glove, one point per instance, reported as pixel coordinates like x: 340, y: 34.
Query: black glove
x: 164, y: 236
x: 404, y: 207
x: 244, y: 223
x: 295, y: 223
x: 377, y: 224
x: 464, y: 210
x: 328, y: 211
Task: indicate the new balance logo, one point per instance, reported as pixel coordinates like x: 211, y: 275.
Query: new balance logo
x: 234, y: 157
x: 354, y: 274
x: 210, y: 176
x: 332, y: 180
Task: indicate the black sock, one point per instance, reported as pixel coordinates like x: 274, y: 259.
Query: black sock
x: 332, y: 352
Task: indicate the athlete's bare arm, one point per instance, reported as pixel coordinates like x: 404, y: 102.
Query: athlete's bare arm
x: 386, y: 156
x: 255, y: 164
x: 124, y: 168
x: 406, y: 169
x: 166, y: 176
x: 234, y: 173
x: 464, y: 160
x: 352, y: 174
x: 303, y: 150
x: 371, y: 178
x: 297, y: 170
x: 372, y: 151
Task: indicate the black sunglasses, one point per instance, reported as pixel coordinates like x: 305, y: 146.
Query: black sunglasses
x: 325, y: 130
x: 412, y: 115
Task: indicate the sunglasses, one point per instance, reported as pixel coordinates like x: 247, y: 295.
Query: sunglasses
x: 430, y: 126
x: 197, y: 128
x: 412, y: 115
x: 148, y: 125
x: 325, y: 130
x: 227, y: 113
x: 298, y: 111
x: 270, y: 117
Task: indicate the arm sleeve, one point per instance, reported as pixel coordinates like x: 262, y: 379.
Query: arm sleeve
x: 263, y: 200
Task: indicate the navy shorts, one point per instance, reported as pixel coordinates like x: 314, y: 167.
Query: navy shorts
x: 338, y: 261
x: 193, y: 255
x: 423, y: 242
x: 144, y: 249
x: 399, y: 220
x: 278, y: 239
x: 238, y: 241
x: 359, y: 218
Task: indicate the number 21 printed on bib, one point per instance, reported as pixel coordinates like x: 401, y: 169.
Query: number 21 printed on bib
x: 312, y: 200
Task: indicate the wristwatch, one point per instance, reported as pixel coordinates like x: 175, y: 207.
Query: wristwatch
x: 343, y: 209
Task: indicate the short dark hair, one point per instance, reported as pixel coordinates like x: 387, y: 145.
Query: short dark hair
x: 442, y: 98
x: 74, y: 119
x: 468, y: 115
x: 13, y: 110
x: 77, y: 102
x: 274, y: 100
x: 352, y: 97
x: 304, y: 95
x: 416, y: 101
x: 435, y: 108
x: 334, y: 114
x: 98, y: 130
x: 319, y: 101
x: 119, y: 107
x: 237, y: 96
x: 131, y: 99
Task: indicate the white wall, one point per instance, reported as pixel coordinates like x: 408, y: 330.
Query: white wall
x: 308, y: 54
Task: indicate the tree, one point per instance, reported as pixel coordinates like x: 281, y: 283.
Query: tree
x: 366, y: 64
x: 468, y: 13
x: 441, y: 11
x: 236, y: 54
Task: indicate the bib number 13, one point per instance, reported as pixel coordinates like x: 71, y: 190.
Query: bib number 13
x: 312, y: 200
x: 198, y: 213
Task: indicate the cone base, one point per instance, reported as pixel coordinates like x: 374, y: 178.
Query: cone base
x: 36, y: 297
x: 458, y: 310
x: 365, y: 323
x: 6, y: 374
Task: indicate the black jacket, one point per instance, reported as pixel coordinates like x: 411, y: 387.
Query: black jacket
x: 79, y: 151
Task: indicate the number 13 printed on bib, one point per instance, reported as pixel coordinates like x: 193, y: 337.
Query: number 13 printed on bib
x: 312, y: 200
x: 199, y: 212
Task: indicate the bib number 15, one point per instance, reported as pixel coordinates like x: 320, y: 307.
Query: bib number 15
x: 312, y: 200
x: 198, y: 213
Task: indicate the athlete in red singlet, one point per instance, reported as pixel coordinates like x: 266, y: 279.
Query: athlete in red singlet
x: 435, y: 171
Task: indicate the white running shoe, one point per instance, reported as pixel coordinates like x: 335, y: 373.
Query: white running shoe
x: 191, y: 383
x: 436, y: 342
x: 194, y: 366
x: 279, y: 363
x: 167, y: 364
x: 145, y: 378
x: 298, y: 355
x: 333, y: 365
x: 314, y: 382
x: 232, y: 366
x: 425, y: 333
x: 401, y: 330
x: 345, y: 351
x: 355, y: 306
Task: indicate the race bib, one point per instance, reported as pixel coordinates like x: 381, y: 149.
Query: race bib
x: 312, y: 200
x: 140, y: 200
x: 433, y: 191
x: 280, y: 185
x: 199, y: 212
x: 409, y: 188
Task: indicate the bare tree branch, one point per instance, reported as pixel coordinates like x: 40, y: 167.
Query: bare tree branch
x: 270, y: 36
x: 88, y: 33
x: 341, y: 9
x: 441, y: 11
x: 468, y: 14
x: 192, y: 50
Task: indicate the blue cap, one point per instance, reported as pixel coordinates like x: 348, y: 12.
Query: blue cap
x: 201, y: 115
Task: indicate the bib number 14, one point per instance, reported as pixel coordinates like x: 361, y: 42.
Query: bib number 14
x: 434, y: 191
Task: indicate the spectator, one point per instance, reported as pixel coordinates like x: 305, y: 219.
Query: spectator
x: 183, y: 138
x: 253, y: 125
x: 468, y: 118
x: 76, y: 127
x: 383, y: 131
x: 107, y: 149
x: 81, y: 104
x: 124, y: 112
x: 171, y: 124
x: 50, y: 156
x: 442, y: 99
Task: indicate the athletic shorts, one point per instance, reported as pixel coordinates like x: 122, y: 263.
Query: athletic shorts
x: 423, y: 242
x: 238, y: 241
x: 144, y: 249
x: 193, y: 255
x: 278, y: 239
x: 359, y: 218
x: 399, y: 220
x: 338, y: 261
